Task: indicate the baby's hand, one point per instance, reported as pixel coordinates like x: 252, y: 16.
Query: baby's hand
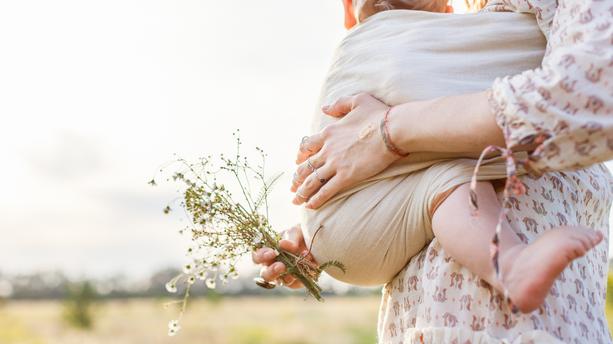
x: 293, y: 242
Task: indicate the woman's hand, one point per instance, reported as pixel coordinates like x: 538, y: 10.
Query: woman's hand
x: 292, y: 242
x: 344, y: 153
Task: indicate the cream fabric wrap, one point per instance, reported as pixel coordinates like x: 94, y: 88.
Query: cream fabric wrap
x: 398, y: 56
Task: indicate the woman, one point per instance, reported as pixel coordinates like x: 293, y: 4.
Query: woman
x: 561, y: 112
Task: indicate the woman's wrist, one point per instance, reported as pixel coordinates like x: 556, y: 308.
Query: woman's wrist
x: 401, y: 125
x: 462, y: 123
x: 386, y: 136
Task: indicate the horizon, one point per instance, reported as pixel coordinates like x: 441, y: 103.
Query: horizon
x: 97, y: 96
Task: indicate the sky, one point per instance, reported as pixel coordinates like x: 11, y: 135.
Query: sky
x: 96, y: 95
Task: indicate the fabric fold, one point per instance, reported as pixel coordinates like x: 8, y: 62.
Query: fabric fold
x: 398, y: 56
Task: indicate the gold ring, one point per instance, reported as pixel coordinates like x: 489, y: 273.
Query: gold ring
x: 263, y: 283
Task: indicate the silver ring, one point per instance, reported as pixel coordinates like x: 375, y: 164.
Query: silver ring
x: 310, y: 165
x: 303, y: 142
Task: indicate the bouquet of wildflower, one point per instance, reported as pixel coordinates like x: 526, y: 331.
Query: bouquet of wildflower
x: 223, y: 227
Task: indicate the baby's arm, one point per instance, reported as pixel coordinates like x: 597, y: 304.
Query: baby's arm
x: 528, y: 270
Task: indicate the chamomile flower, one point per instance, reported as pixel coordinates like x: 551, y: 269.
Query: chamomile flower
x: 173, y: 328
x: 171, y: 287
x: 222, y: 229
x: 210, y: 283
x: 257, y: 238
x: 173, y: 324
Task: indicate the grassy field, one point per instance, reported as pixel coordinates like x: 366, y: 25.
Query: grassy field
x: 290, y: 320
x: 609, y: 311
x: 230, y: 320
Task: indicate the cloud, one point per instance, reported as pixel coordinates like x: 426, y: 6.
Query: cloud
x: 69, y: 156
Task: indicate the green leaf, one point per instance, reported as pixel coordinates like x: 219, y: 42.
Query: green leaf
x: 263, y: 194
x: 334, y: 263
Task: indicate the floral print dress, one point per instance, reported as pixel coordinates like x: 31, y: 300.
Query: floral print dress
x: 566, y: 109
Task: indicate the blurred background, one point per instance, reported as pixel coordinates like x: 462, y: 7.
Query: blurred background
x: 95, y: 96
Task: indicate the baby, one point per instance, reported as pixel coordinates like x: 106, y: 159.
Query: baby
x: 358, y: 10
x: 376, y: 227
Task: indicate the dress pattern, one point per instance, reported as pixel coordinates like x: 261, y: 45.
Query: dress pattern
x: 436, y: 300
x: 566, y: 108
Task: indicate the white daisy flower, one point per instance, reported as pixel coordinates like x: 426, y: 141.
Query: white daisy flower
x: 173, y: 324
x: 210, y: 283
x: 257, y: 238
x: 171, y: 287
x: 173, y: 328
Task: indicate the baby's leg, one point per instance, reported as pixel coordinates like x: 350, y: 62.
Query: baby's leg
x: 528, y: 271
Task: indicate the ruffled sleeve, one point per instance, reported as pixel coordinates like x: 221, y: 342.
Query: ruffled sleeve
x: 566, y: 106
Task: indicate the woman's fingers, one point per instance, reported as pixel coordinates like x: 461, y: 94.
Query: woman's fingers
x: 313, y: 183
x: 273, y: 272
x: 292, y: 240
x: 341, y: 107
x: 309, y: 145
x: 304, y: 170
x: 296, y: 284
x: 326, y: 192
x: 265, y: 256
x: 289, y: 246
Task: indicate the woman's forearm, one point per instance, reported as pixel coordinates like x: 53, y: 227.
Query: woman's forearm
x: 450, y: 124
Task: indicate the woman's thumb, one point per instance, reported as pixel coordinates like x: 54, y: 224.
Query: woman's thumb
x: 339, y: 108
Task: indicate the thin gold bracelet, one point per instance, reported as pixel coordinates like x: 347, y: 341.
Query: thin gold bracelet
x: 386, y: 136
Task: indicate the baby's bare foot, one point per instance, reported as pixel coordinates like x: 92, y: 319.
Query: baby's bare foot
x: 530, y: 270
